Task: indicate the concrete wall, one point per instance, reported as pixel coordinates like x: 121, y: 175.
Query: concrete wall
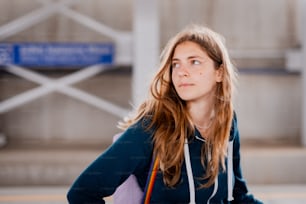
x: 268, y: 105
x: 269, y: 108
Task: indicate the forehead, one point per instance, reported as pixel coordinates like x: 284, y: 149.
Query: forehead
x: 188, y: 48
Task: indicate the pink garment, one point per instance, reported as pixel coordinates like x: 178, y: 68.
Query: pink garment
x: 129, y: 191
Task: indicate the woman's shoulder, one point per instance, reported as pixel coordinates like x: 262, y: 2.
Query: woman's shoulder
x: 139, y: 131
x: 142, y: 125
x: 135, y: 140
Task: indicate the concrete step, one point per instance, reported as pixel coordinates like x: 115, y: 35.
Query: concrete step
x: 274, y: 165
x: 269, y: 194
x: 59, y: 166
x: 43, y: 166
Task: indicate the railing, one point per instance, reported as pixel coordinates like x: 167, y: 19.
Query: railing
x: 121, y: 39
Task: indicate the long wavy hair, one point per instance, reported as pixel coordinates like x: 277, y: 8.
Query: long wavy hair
x: 168, y: 114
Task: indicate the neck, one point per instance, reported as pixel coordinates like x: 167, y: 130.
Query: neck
x: 201, y: 114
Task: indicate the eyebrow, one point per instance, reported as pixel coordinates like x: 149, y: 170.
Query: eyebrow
x: 190, y: 57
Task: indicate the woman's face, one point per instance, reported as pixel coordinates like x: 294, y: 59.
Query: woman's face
x: 193, y: 73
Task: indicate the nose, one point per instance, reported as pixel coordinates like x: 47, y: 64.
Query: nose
x: 183, y: 71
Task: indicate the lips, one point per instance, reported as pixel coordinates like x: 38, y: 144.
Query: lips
x: 185, y: 84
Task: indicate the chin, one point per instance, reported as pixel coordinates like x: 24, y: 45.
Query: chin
x: 186, y: 97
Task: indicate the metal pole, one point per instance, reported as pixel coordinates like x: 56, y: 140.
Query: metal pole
x: 146, y: 46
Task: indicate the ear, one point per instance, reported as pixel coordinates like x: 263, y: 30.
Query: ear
x: 219, y: 74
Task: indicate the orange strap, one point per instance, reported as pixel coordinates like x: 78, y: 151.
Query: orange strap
x: 151, y: 181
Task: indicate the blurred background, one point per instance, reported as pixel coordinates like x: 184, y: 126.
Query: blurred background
x: 70, y: 70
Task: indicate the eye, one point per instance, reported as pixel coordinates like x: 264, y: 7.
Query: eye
x: 195, y: 62
x: 175, y: 65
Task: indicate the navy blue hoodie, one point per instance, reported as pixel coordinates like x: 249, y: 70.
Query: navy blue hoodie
x: 132, y: 154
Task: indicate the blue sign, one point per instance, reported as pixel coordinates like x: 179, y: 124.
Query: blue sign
x: 56, y: 54
x: 6, y: 54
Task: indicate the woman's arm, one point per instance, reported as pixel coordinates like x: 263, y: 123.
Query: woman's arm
x: 130, y: 153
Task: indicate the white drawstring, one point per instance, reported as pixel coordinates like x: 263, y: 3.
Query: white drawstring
x: 229, y: 174
x: 214, y: 191
x: 230, y: 171
x: 189, y: 173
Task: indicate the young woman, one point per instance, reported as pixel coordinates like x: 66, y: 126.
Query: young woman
x: 187, y: 123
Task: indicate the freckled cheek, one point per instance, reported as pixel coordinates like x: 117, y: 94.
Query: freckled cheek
x: 173, y: 78
x: 174, y: 81
x: 175, y: 84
